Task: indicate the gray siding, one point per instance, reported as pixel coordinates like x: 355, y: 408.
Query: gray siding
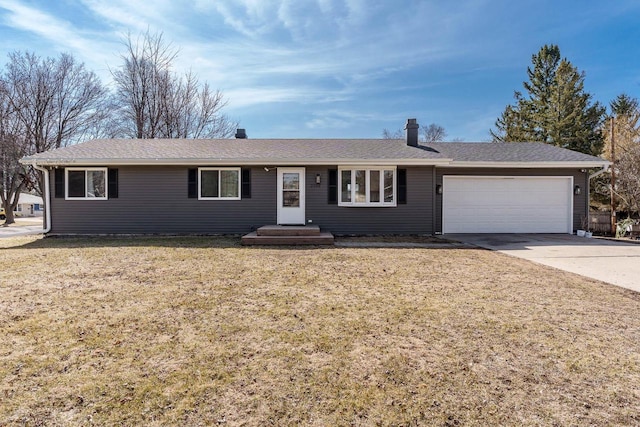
x: 580, y: 207
x: 413, y: 218
x: 153, y: 200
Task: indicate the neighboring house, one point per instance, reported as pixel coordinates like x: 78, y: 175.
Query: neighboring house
x: 29, y: 205
x: 346, y: 186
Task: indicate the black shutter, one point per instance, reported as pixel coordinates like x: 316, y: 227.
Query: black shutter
x: 193, y: 184
x: 246, y: 183
x: 402, y: 186
x: 333, y: 187
x: 113, y: 183
x: 59, y: 183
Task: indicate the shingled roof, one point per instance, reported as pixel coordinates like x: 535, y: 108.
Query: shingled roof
x: 305, y: 152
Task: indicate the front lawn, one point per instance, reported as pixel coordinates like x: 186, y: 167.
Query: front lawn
x: 202, y: 331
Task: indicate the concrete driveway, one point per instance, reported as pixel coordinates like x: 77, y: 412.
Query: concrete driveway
x: 617, y: 263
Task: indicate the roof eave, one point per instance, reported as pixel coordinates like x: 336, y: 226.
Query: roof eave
x: 447, y: 163
x: 51, y: 162
x: 528, y: 165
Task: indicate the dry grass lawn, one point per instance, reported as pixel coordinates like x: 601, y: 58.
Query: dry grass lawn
x: 202, y: 331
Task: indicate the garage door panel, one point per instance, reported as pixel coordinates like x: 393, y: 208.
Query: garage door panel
x: 507, y: 204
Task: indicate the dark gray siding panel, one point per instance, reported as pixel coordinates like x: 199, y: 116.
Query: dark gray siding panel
x: 154, y: 200
x: 580, y: 207
x: 416, y: 217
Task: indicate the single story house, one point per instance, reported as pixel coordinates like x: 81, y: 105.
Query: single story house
x: 346, y: 186
x: 29, y: 205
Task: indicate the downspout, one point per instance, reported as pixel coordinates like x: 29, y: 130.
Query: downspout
x: 600, y: 172
x: 47, y: 197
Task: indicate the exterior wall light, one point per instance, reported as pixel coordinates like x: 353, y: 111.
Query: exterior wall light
x: 318, y: 178
x: 577, y: 190
x: 438, y: 188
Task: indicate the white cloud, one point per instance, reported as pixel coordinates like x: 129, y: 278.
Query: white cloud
x: 85, y: 46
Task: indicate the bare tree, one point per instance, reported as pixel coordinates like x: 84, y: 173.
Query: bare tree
x: 12, y: 148
x: 158, y: 103
x: 625, y: 110
x: 433, y: 133
x: 47, y: 103
x: 628, y: 178
x: 429, y: 134
x: 387, y: 134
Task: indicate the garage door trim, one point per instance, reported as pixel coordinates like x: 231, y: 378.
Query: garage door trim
x: 569, y: 194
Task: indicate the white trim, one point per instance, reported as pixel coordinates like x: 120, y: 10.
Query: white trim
x: 244, y: 162
x: 86, y: 169
x: 47, y: 198
x: 445, y: 163
x: 284, y: 214
x: 445, y: 178
x: 368, y: 169
x: 528, y: 165
x: 219, y: 169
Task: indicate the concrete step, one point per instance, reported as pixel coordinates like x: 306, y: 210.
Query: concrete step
x: 289, y: 230
x: 323, y: 238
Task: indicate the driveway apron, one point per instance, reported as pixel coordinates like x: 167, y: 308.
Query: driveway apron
x: 613, y: 262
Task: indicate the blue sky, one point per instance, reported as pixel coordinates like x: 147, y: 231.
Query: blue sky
x: 348, y: 68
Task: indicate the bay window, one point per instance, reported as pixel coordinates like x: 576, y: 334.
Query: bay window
x: 367, y: 186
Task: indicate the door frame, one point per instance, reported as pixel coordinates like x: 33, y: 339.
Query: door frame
x: 284, y: 214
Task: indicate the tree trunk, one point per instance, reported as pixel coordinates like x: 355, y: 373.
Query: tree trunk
x: 10, y: 217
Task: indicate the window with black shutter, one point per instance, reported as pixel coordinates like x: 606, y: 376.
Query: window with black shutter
x: 333, y: 187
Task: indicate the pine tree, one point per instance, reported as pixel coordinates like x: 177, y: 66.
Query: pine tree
x: 555, y: 110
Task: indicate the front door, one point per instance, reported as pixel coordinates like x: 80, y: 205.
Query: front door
x: 291, y: 196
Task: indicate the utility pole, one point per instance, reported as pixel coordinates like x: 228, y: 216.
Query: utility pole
x: 613, y: 177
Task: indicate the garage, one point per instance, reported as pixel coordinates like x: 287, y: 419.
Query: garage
x: 507, y: 204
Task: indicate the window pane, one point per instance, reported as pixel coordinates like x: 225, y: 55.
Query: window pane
x: 290, y: 181
x: 388, y: 186
x: 291, y: 198
x: 229, y: 183
x: 96, y: 184
x: 76, y: 183
x: 361, y: 187
x: 209, y: 183
x: 345, y: 191
x: 374, y: 186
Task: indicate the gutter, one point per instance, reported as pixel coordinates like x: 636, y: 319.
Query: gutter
x: 47, y: 197
x: 235, y: 162
x: 605, y: 168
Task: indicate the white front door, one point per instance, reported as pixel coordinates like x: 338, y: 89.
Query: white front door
x: 291, y: 196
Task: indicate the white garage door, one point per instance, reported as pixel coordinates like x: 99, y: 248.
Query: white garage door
x: 507, y: 204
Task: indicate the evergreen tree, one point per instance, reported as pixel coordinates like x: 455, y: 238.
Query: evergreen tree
x: 555, y: 108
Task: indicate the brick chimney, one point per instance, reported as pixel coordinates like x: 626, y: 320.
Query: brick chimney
x: 241, y: 134
x: 411, y: 133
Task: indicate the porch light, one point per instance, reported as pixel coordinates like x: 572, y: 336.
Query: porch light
x: 318, y: 178
x: 438, y: 188
x: 577, y: 190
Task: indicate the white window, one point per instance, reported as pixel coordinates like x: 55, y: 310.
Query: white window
x: 367, y: 186
x: 86, y: 183
x: 219, y: 183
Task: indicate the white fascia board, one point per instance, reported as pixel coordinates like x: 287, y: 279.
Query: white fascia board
x: 528, y: 165
x: 235, y: 162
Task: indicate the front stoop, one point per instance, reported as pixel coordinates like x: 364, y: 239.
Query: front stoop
x: 288, y: 235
